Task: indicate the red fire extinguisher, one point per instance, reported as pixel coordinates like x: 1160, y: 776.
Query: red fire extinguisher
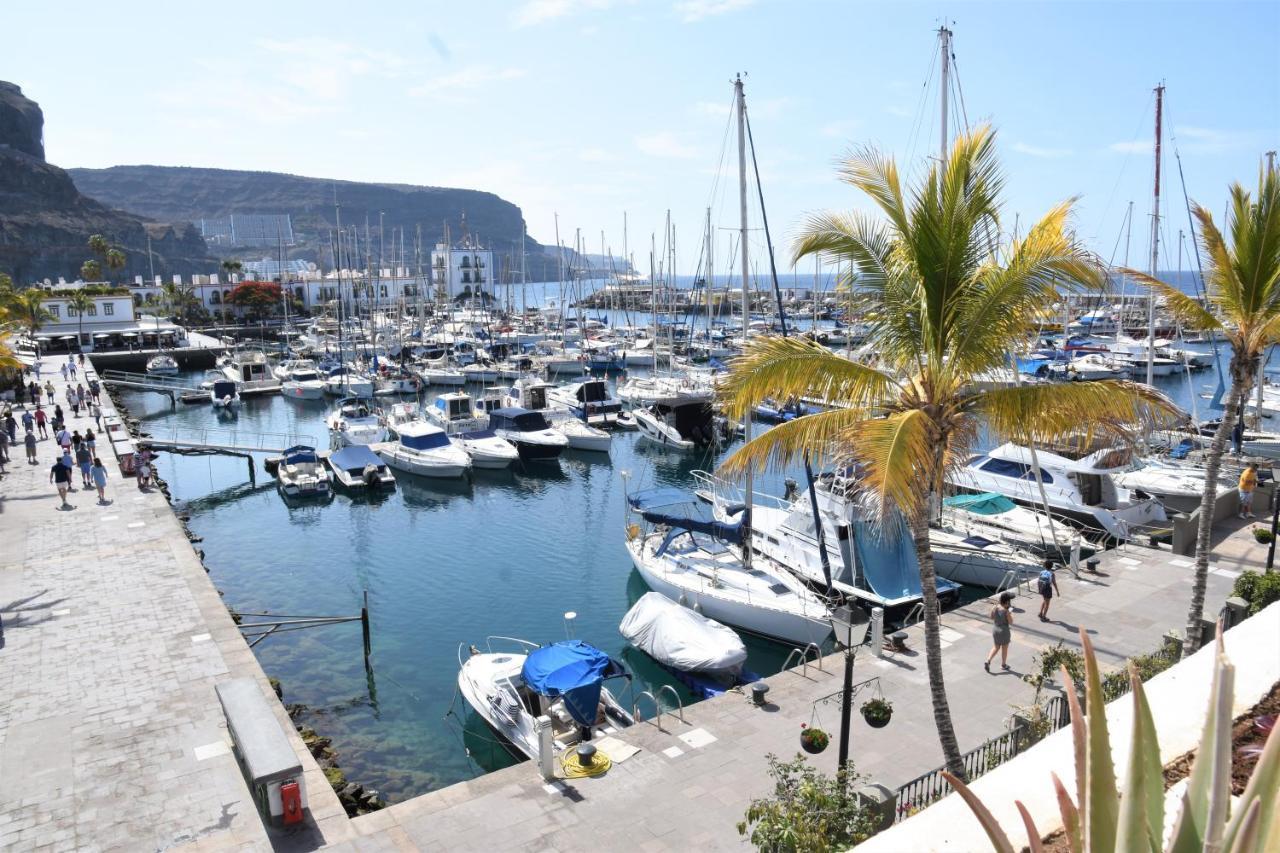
x: 291, y: 801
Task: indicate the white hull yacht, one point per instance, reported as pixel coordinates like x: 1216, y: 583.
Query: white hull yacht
x: 424, y: 449
x: 352, y: 421
x: 455, y: 414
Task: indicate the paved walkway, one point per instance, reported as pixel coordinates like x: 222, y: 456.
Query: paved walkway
x: 111, y: 640
x: 111, y: 736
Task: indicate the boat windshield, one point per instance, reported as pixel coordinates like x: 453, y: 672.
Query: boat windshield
x: 428, y: 441
x: 531, y: 422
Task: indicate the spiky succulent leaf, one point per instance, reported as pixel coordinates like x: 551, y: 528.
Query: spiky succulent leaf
x: 1102, y: 813
x: 1070, y: 815
x: 1263, y: 788
x: 1203, y: 817
x: 1142, y: 806
x: 999, y: 840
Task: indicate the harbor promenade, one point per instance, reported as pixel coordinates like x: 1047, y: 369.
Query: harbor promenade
x: 112, y: 738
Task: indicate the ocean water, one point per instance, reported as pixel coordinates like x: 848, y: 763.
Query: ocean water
x: 445, y: 563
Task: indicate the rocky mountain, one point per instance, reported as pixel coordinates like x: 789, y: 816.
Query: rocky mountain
x: 166, y: 192
x: 45, y: 222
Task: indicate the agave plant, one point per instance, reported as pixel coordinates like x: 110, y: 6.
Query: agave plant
x: 1101, y: 820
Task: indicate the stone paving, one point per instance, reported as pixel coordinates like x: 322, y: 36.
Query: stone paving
x: 111, y: 639
x: 111, y: 736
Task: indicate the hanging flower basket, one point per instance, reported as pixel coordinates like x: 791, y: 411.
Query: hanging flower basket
x: 1262, y: 534
x: 813, y: 740
x: 877, y: 712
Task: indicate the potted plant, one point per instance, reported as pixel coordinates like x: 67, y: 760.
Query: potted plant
x: 1263, y: 535
x: 813, y: 740
x: 877, y: 712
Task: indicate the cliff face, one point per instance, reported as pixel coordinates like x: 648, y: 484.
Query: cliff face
x: 45, y: 223
x: 187, y: 193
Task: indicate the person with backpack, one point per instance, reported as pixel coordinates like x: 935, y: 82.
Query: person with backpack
x: 1048, y: 584
x: 1001, y: 631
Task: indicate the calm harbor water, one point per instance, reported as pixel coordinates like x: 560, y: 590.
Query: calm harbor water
x: 445, y: 563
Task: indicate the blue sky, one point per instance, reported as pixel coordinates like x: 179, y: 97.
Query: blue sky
x: 589, y: 108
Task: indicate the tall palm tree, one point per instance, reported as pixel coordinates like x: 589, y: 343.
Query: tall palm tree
x: 950, y: 305
x: 30, y: 311
x: 81, y: 302
x: 115, y: 259
x: 1242, y: 283
x: 229, y: 267
x: 99, y: 245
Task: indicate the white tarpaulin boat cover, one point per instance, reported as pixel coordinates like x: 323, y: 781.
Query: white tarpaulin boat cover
x: 680, y: 638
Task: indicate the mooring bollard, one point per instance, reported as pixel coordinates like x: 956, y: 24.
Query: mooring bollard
x: 759, y: 691
x: 586, y: 754
x: 877, y: 631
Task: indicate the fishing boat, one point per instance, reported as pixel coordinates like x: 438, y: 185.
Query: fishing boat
x: 1081, y: 487
x: 300, y: 473
x: 704, y: 655
x: 529, y: 432
x: 704, y: 573
x: 358, y: 468
x: 425, y: 449
x: 352, y: 421
x: 224, y: 396
x: 302, y: 381
x: 455, y: 413
x: 564, y: 682
x: 162, y: 364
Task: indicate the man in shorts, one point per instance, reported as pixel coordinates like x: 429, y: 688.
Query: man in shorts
x: 60, y: 476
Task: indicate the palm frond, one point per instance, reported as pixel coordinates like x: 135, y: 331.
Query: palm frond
x: 853, y: 237
x: 1185, y: 308
x: 793, y: 368
x: 1048, y: 414
x: 824, y: 436
x: 895, y: 455
x: 877, y: 176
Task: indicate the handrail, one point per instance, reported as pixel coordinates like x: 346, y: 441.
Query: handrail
x: 635, y: 708
x: 914, y: 615
x: 804, y: 659
x: 676, y: 696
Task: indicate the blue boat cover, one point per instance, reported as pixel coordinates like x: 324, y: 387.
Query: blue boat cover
x: 573, y: 670
x: 984, y: 503
x: 300, y: 453
x: 354, y: 457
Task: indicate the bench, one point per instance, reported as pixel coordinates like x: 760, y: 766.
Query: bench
x: 266, y: 757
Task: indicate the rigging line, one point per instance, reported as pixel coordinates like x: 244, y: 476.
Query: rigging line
x: 914, y: 136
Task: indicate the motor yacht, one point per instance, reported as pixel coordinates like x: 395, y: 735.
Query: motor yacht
x: 251, y: 371
x: 528, y: 432
x: 162, y: 364
x: 357, y: 468
x: 424, y: 449
x: 224, y: 395
x: 300, y: 473
x: 302, y: 381
x: 682, y: 421
x: 353, y: 421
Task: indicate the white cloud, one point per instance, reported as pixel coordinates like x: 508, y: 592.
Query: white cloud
x: 691, y: 11
x: 899, y: 111
x: 534, y: 12
x: 1037, y: 151
x: 667, y: 145
x: 711, y: 109
x: 843, y: 127
x: 762, y: 108
x: 450, y: 86
x: 1133, y: 146
x: 1204, y: 140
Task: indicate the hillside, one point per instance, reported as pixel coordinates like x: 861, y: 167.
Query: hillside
x: 166, y: 192
x: 45, y: 223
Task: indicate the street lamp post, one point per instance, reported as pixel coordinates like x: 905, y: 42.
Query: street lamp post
x: 850, y: 627
x: 1275, y: 515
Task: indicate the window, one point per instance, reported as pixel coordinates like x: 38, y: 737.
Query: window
x: 384, y: 291
x: 109, y: 309
x: 56, y: 310
x: 214, y: 299
x: 1005, y: 468
x: 71, y: 311
x: 93, y: 311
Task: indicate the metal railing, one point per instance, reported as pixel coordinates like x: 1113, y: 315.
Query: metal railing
x: 930, y: 787
x: 230, y: 439
x: 803, y: 656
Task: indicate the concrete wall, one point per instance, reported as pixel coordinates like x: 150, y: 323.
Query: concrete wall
x: 1185, y: 529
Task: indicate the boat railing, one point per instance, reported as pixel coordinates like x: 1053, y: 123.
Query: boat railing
x: 914, y: 616
x: 488, y: 642
x: 803, y: 656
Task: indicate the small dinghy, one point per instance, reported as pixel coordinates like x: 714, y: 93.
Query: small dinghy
x: 705, y: 655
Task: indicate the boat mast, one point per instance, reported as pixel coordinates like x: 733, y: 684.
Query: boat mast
x: 1155, y: 242
x: 740, y: 98
x: 944, y: 45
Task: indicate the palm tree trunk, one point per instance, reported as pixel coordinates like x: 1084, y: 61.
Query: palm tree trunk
x: 933, y: 645
x: 1241, y: 382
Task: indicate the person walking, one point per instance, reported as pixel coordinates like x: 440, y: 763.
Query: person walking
x: 30, y: 441
x: 59, y: 419
x: 81, y: 357
x: 42, y: 421
x: 76, y: 438
x: 37, y: 365
x: 99, y: 474
x: 95, y: 388
x: 33, y: 393
x: 90, y: 441
x: 48, y: 391
x: 1001, y: 631
x: 60, y: 476
x: 64, y: 440
x: 63, y: 371
x: 96, y: 411
x: 142, y: 467
x: 71, y: 366
x: 84, y: 461
x: 28, y: 422
x: 1048, y: 585
x: 10, y: 425
x: 1248, y: 483
x: 4, y: 448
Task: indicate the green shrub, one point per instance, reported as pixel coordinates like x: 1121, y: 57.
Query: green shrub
x: 808, y: 811
x: 1258, y: 589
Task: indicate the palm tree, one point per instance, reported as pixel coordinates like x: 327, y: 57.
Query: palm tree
x: 91, y: 270
x: 81, y: 302
x: 1242, y: 282
x: 115, y: 259
x: 951, y: 306
x: 98, y: 245
x: 229, y: 267
x: 30, y: 311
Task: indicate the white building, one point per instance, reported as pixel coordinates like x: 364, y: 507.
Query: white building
x: 110, y: 322
x: 457, y: 268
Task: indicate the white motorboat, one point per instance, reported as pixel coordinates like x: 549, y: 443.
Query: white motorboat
x: 346, y: 381
x: 455, y: 414
x: 302, y: 382
x: 353, y: 421
x: 588, y: 400
x: 1180, y: 488
x: 582, y: 436
x: 684, y: 421
x: 395, y: 382
x: 707, y: 575
x: 979, y: 561
x: 643, y: 391
x: 424, y: 449
x: 1080, y: 487
x: 162, y: 365
x: 357, y: 468
x: 995, y: 516
x: 300, y: 473
x: 877, y: 567
x: 529, y: 433
x: 438, y: 371
x: 1089, y: 368
x: 563, y: 682
x: 684, y: 640
x: 639, y: 354
x: 282, y: 370
x: 251, y: 372
x: 224, y: 395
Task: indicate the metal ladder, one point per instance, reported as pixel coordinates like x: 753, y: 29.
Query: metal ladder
x: 679, y: 706
x: 803, y: 656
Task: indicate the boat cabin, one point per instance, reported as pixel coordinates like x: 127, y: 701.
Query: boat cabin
x: 517, y: 420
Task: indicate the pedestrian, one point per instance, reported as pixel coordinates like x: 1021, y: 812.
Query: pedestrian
x: 71, y: 367
x: 84, y: 461
x: 71, y: 395
x: 48, y: 390
x: 4, y: 447
x: 1048, y: 585
x: 41, y: 421
x: 96, y: 411
x: 63, y: 371
x: 37, y: 366
x: 1001, y: 631
x: 30, y: 441
x: 28, y: 421
x: 90, y: 441
x: 142, y: 467
x: 59, y: 419
x: 33, y: 393
x: 81, y: 359
x: 81, y: 394
x: 99, y: 474
x: 64, y: 440
x: 60, y: 476
x: 10, y: 425
x: 95, y: 388
x: 1248, y: 482
x: 76, y: 438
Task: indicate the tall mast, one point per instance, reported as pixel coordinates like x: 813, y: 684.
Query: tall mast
x: 1155, y: 241
x: 741, y: 100
x: 944, y: 45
